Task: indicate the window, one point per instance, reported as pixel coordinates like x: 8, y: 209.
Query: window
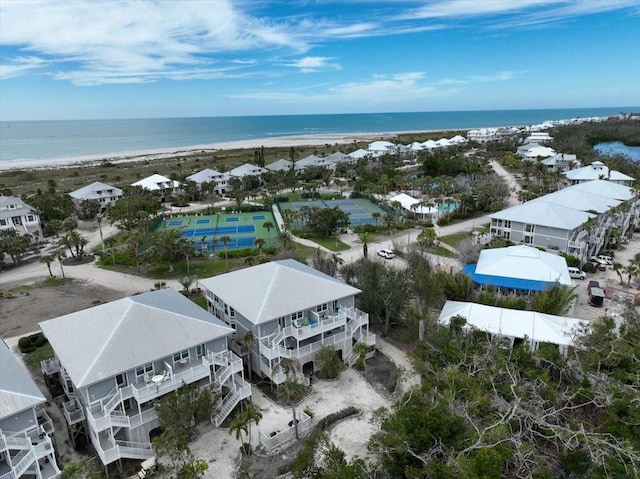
x: 507, y: 235
x: 232, y: 312
x: 507, y: 223
x: 181, y: 356
x: 201, y: 350
x: 3, y: 222
x: 528, y: 239
x: 146, y: 369
x: 298, y: 315
x: 529, y: 228
x: 30, y: 218
x: 321, y: 307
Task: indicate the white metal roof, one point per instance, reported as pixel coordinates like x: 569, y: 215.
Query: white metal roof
x: 538, y: 327
x: 272, y: 290
x: 18, y: 392
x: 381, y: 145
x: 543, y: 151
x: 111, y: 338
x: 91, y: 191
x: 430, y: 144
x: 524, y: 262
x: 279, y: 165
x: 360, y: 154
x: 206, y: 175
x: 580, y: 200
x: 247, y: 169
x: 596, y: 171
x: 156, y: 182
x: 605, y: 188
x: 544, y: 213
x: 409, y: 203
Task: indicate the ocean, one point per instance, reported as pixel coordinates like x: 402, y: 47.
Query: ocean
x: 45, y: 141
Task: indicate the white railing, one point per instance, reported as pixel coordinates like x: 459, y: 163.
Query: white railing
x: 24, y: 460
x: 282, y: 437
x: 146, y: 416
x: 278, y: 338
x: 231, y: 400
x: 151, y: 391
x: 73, y: 411
x: 135, y: 450
x: 49, y: 366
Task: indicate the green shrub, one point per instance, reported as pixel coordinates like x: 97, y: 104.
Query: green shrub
x: 28, y: 344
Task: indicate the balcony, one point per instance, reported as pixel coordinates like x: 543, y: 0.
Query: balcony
x: 50, y: 366
x: 33, y: 446
x: 73, y: 412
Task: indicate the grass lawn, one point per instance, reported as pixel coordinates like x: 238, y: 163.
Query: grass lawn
x: 200, y: 301
x: 455, y: 239
x: 33, y: 359
x: 441, y: 251
x: 330, y: 243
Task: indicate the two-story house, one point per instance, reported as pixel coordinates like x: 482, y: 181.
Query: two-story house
x: 15, y: 214
x: 163, y: 185
x: 291, y: 311
x: 579, y: 220
x: 26, y: 445
x: 116, y: 360
x: 219, y: 180
x: 104, y: 194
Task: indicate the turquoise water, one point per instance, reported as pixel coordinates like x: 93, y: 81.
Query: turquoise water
x: 443, y: 208
x: 43, y: 140
x: 618, y: 148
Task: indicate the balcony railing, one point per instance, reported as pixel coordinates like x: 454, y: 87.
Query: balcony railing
x: 73, y: 412
x: 50, y: 366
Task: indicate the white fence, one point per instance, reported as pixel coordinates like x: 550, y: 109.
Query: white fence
x: 279, y: 438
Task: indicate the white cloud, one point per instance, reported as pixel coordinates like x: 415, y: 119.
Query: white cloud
x: 19, y: 65
x: 108, y: 42
x: 314, y: 64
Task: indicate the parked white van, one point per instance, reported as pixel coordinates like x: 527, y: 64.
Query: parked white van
x: 576, y: 273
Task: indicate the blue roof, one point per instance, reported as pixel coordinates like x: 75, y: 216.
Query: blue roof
x: 506, y: 282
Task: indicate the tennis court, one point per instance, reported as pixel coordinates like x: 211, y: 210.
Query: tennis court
x: 359, y: 210
x: 240, y: 230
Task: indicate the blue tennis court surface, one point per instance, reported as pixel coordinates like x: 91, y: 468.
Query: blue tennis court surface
x: 240, y: 230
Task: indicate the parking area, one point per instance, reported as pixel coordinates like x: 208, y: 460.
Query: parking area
x: 606, y: 278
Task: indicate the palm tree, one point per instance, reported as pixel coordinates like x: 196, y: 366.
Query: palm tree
x: 364, y: 239
x: 361, y: 350
x: 286, y: 240
x: 259, y: 243
x: 247, y: 344
x: 61, y: 256
x: 203, y: 244
x: 291, y: 390
x: 225, y: 241
x: 252, y: 415
x: 376, y: 216
x: 268, y: 225
x: 239, y: 425
x: 329, y: 363
x: 617, y: 267
x: 48, y: 259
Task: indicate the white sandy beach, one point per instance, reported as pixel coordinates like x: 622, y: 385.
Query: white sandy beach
x: 163, y: 153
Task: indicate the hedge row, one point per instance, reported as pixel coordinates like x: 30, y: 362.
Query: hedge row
x: 28, y: 344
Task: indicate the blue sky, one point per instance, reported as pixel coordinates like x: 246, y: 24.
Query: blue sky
x: 71, y: 59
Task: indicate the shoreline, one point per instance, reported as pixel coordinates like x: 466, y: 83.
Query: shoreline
x: 165, y: 153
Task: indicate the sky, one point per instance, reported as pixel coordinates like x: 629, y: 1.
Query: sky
x: 75, y: 59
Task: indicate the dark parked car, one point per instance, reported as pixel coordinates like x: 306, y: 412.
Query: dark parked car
x: 592, y: 284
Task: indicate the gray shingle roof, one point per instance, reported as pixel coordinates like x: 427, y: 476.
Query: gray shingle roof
x: 105, y: 340
x: 18, y: 392
x: 272, y: 290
